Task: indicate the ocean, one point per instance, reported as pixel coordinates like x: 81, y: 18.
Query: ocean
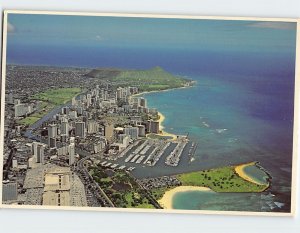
x: 240, y: 110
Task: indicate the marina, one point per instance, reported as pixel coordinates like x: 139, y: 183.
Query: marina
x: 154, y: 158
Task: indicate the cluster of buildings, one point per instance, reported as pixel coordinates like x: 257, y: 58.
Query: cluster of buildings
x: 39, y: 161
x: 46, y: 185
x: 85, y: 123
x: 23, y: 109
x: 82, y: 124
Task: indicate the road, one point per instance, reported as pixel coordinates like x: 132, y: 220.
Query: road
x: 95, y: 193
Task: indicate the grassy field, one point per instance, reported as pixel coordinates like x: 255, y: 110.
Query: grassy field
x: 134, y: 200
x: 154, y: 79
x: 29, y: 120
x: 49, y: 100
x: 44, y: 109
x: 222, y: 179
x: 57, y: 96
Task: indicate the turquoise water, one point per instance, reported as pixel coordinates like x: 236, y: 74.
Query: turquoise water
x: 203, y: 200
x: 219, y: 116
x: 233, y: 123
x: 256, y: 174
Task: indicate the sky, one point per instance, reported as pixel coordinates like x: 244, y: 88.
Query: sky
x: 91, y: 31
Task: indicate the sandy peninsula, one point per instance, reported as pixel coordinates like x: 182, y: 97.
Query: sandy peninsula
x: 167, y: 199
x: 241, y: 172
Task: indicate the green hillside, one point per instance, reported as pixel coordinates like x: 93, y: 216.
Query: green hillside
x: 147, y: 80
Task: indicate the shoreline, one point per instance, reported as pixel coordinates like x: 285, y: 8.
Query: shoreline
x: 161, y: 116
x: 170, y: 89
x: 239, y: 169
x: 167, y: 200
x: 161, y: 127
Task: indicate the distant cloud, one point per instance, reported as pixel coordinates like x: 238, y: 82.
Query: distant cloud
x: 274, y: 25
x: 10, y: 27
x: 98, y: 37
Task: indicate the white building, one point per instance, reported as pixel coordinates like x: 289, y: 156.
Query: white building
x: 14, y: 163
x: 71, y: 154
x: 20, y: 110
x: 92, y: 127
x: 40, y: 154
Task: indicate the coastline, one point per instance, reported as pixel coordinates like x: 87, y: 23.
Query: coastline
x: 167, y: 200
x: 240, y: 171
x: 170, y: 89
x: 161, y: 127
x: 161, y: 116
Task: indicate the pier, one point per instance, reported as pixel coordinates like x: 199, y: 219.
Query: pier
x: 192, y: 151
x: 174, y: 158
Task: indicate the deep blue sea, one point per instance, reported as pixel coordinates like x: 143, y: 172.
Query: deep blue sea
x: 240, y: 110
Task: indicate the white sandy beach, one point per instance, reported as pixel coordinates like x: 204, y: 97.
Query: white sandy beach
x: 167, y: 199
x: 161, y: 127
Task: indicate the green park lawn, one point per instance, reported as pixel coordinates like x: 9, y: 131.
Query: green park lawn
x: 220, y: 180
x: 29, y: 120
x: 49, y: 100
x: 57, y: 96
